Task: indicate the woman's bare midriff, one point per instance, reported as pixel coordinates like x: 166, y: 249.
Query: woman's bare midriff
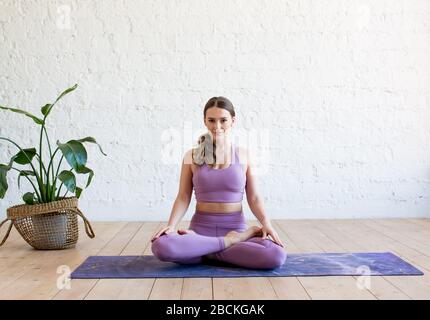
x: 219, y: 207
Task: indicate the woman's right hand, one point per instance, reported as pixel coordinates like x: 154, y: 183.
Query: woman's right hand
x: 164, y: 230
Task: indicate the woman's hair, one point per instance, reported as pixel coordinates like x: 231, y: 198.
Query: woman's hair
x: 205, y: 151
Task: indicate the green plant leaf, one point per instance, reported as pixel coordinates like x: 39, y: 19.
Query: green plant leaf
x: 66, y: 92
x: 69, y: 180
x: 86, y: 170
x: 23, y: 156
x: 92, y: 140
x: 3, y: 180
x: 28, y: 198
x: 24, y: 173
x: 46, y: 109
x: 35, y: 119
x: 78, y: 192
x: 90, y: 178
x: 75, y: 154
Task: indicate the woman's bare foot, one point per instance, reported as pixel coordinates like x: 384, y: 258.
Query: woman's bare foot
x: 234, y: 237
x: 185, y: 231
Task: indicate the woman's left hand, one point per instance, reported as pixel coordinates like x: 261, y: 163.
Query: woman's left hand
x: 268, y: 230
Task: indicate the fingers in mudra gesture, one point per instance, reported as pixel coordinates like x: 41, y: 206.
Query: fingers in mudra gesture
x: 268, y: 231
x: 164, y: 230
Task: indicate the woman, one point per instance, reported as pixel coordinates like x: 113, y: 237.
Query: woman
x: 217, y: 229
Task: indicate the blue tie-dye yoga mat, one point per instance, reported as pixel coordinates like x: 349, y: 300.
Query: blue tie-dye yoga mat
x: 306, y: 264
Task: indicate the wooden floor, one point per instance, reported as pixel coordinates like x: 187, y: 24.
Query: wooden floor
x: 30, y: 274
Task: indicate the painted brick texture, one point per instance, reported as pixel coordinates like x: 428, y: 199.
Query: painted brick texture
x: 334, y: 94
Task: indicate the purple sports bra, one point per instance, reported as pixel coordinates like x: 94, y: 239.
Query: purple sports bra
x: 220, y: 185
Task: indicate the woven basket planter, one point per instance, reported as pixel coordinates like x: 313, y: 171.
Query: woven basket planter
x: 48, y: 226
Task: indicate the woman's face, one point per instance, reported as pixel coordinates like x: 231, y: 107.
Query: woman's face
x: 219, y: 122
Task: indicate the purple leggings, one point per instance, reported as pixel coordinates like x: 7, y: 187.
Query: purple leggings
x: 210, y: 229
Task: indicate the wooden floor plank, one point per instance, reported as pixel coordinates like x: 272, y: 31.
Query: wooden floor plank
x: 26, y: 273
x: 142, y: 239
x: 135, y: 244
x: 312, y: 239
x: 119, y: 289
x: 189, y: 288
x: 167, y: 289
x: 108, y: 289
x: 197, y: 289
x: 423, y: 223
x: 351, y: 232
x: 243, y: 288
x: 25, y: 258
x: 287, y: 288
x: 415, y: 287
x: 12, y: 245
x: 40, y: 282
x: 413, y: 236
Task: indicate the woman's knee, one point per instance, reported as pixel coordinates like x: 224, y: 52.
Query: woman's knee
x: 274, y: 257
x: 162, y: 248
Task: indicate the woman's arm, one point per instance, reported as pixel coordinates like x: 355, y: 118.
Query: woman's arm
x: 253, y: 197
x: 183, y: 198
x: 179, y: 209
x: 255, y: 202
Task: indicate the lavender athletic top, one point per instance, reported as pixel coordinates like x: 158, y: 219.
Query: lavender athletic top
x: 220, y: 185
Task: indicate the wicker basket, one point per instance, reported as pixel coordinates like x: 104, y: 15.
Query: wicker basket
x: 48, y: 226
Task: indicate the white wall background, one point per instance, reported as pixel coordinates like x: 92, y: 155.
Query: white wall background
x: 338, y: 92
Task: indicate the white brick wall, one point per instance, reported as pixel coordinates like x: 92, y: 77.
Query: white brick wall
x: 341, y: 88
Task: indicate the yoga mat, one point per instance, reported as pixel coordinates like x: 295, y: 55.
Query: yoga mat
x: 307, y: 264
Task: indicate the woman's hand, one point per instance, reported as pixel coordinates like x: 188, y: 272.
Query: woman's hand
x: 164, y: 230
x: 268, y: 230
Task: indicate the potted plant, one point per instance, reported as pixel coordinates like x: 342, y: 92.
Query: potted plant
x: 47, y: 219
